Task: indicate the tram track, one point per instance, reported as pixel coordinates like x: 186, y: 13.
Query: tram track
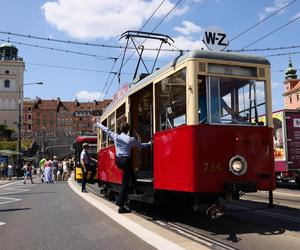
x: 180, y: 229
x: 195, y: 236
x: 231, y: 232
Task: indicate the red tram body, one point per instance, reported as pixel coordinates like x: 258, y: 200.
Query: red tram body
x: 193, y: 162
x: 197, y: 151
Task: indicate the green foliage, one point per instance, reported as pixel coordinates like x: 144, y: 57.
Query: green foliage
x: 8, y: 145
x: 5, y: 132
x: 12, y: 145
x: 26, y: 143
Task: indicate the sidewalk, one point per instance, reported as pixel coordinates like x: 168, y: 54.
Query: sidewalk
x: 13, y: 179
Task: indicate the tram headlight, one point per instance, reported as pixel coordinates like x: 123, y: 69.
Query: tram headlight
x: 238, y: 165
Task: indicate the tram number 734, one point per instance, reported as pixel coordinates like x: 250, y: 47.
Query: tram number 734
x: 212, y: 167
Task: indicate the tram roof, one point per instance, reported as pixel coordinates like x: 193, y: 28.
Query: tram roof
x: 197, y: 54
x: 225, y: 56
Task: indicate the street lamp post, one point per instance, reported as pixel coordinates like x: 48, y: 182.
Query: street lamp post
x: 20, y: 123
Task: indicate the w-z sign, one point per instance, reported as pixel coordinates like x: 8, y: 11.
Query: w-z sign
x: 215, y: 40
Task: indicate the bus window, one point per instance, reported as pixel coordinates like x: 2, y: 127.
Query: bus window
x: 236, y: 101
x: 111, y: 126
x: 104, y: 135
x: 121, y: 118
x: 170, y: 96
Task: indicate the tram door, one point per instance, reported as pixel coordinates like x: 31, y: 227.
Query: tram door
x: 141, y: 104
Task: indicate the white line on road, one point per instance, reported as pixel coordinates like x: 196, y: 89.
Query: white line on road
x: 11, y: 183
x: 147, y: 235
x: 8, y: 200
x: 2, y: 223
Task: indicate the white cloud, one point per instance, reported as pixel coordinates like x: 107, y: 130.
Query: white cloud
x: 180, y: 42
x: 296, y: 16
x: 278, y: 4
x: 188, y: 28
x: 276, y: 84
x: 91, y: 19
x: 88, y: 96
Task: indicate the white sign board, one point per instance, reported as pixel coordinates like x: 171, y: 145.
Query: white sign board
x: 215, y: 39
x: 296, y: 123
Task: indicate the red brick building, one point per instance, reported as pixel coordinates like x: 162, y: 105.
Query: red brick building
x: 54, y: 124
x: 56, y: 116
x: 291, y: 94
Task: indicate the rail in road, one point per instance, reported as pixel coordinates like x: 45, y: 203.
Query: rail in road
x: 247, y: 224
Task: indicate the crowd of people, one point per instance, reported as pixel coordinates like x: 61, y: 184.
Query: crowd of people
x: 7, y: 171
x: 53, y: 171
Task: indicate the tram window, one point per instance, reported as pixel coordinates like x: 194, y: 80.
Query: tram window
x: 121, y: 119
x: 215, y: 100
x: 236, y: 101
x: 170, y: 95
x: 202, y: 101
x: 104, y: 135
x: 111, y: 125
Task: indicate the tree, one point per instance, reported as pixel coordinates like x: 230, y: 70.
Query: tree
x: 5, y: 132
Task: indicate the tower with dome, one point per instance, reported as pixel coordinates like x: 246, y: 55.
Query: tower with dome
x: 11, y: 84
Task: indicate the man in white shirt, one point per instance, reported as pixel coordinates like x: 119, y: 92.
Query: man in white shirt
x: 124, y: 143
x: 85, y: 165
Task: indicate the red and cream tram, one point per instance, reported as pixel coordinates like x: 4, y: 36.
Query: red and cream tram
x: 201, y: 112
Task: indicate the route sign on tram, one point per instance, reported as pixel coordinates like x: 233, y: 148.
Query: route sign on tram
x: 215, y: 39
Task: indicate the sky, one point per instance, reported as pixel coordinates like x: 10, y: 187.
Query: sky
x: 69, y: 75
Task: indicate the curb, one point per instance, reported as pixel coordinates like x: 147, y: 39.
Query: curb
x: 154, y: 235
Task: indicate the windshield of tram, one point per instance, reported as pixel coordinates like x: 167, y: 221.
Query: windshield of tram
x: 224, y: 100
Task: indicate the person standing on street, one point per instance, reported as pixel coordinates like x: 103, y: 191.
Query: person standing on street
x: 85, y: 165
x: 54, y: 169
x: 28, y: 172
x: 124, y: 144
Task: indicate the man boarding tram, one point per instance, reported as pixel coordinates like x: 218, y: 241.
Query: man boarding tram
x: 124, y: 144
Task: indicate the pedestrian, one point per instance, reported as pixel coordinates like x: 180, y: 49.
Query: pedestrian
x: 10, y: 170
x: 54, y: 169
x: 59, y: 171
x: 65, y: 175
x: 85, y: 165
x: 70, y: 167
x: 42, y: 169
x: 124, y: 144
x: 28, y: 172
x: 48, y: 171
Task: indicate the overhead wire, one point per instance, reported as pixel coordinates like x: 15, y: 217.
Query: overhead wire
x: 72, y: 68
x: 152, y: 14
x: 283, y: 54
x: 60, y: 40
x: 178, y: 2
x: 264, y: 19
x: 267, y: 49
x: 59, y: 50
x: 270, y: 33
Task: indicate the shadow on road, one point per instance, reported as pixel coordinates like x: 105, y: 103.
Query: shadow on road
x: 14, y: 209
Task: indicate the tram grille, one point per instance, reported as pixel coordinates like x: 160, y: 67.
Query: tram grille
x: 202, y: 66
x: 261, y: 72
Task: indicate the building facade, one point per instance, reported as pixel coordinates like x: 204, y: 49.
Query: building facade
x: 54, y: 124
x: 11, y: 85
x: 291, y: 93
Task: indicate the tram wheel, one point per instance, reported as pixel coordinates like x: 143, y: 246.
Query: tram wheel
x: 111, y: 195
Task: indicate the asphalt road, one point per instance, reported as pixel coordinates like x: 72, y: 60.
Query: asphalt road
x: 52, y: 216
x: 247, y: 224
